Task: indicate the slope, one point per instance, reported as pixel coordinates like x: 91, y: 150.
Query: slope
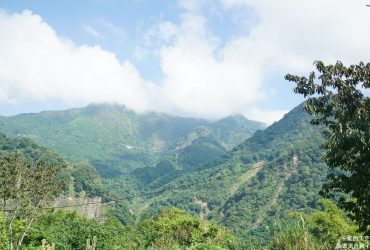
x: 83, y: 183
x: 286, y: 173
x: 108, y: 135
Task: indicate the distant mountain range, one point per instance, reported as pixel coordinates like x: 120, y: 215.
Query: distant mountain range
x: 247, y: 175
x: 117, y: 140
x: 275, y: 171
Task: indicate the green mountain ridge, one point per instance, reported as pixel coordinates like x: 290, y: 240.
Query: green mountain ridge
x: 107, y: 135
x: 285, y: 174
x: 276, y: 170
x: 118, y: 142
x: 28, y: 149
x: 191, y: 158
x: 87, y: 184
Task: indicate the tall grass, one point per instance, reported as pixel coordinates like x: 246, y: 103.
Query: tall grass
x: 294, y: 235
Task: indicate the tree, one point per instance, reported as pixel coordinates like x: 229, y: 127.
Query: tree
x: 321, y: 228
x: 69, y: 230
x: 173, y: 228
x: 328, y: 223
x: 3, y: 232
x: 293, y: 234
x: 337, y: 100
x: 25, y: 189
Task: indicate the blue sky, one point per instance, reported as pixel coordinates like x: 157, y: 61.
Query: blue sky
x: 203, y: 58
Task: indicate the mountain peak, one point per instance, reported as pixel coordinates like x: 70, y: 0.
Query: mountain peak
x: 106, y: 107
x: 239, y: 119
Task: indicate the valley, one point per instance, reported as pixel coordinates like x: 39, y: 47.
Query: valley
x: 184, y: 125
x: 135, y: 154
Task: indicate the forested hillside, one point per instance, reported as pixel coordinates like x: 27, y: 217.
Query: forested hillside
x: 131, y: 152
x: 285, y: 174
x: 61, y: 224
x: 276, y: 171
x: 117, y: 140
x: 82, y: 184
x: 29, y: 149
x: 184, y: 125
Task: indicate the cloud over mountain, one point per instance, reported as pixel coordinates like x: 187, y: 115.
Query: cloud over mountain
x: 202, y: 75
x: 38, y: 65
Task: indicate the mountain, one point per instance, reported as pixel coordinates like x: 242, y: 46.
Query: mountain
x: 86, y: 186
x: 28, y: 149
x: 108, y: 135
x: 271, y: 171
x: 118, y: 142
x: 183, y: 160
x: 275, y: 171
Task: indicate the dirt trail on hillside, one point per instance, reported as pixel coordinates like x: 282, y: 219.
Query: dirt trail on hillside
x: 276, y: 194
x: 246, y: 177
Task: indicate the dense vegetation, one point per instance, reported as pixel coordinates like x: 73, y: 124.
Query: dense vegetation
x: 338, y: 99
x: 130, y: 150
x: 117, y: 140
x: 69, y: 230
x: 171, y: 228
x: 286, y: 174
x: 319, y: 230
x: 244, y: 202
x: 261, y: 194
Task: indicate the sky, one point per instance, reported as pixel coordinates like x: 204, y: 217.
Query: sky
x: 198, y: 58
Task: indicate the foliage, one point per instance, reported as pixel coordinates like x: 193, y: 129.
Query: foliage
x: 202, y: 151
x: 29, y: 149
x: 248, y: 201
x: 293, y: 235
x: 71, y: 231
x: 126, y: 148
x: 175, y: 226
x: 86, y: 179
x: 26, y: 188
x: 329, y: 223
x: 337, y: 99
x: 319, y: 229
x: 117, y: 140
x: 4, y: 243
x: 171, y: 228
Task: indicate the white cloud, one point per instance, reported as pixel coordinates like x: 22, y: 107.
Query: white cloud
x: 266, y: 116
x: 201, y: 76
x: 90, y: 30
x: 205, y: 79
x: 197, y: 81
x: 112, y: 28
x: 154, y: 37
x: 104, y: 29
x: 292, y: 34
x: 37, y: 65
